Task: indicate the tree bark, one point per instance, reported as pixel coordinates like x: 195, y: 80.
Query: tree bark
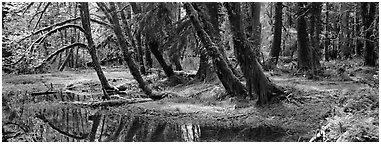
x: 302, y: 36
x: 275, y: 47
x: 113, y: 18
x: 315, y: 35
x: 326, y: 41
x: 345, y: 40
x: 256, y: 81
x: 205, y: 71
x: 154, y: 47
x: 368, y: 13
x: 85, y: 17
x: 231, y: 83
x: 256, y: 24
x: 148, y: 58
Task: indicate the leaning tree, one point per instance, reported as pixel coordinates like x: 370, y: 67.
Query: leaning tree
x: 256, y: 81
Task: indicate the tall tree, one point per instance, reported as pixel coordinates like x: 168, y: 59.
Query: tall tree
x: 344, y: 31
x: 231, y: 83
x: 275, y: 47
x: 368, y: 10
x: 256, y: 81
x: 303, y: 52
x: 326, y: 29
x: 256, y: 27
x: 315, y: 30
x: 85, y: 18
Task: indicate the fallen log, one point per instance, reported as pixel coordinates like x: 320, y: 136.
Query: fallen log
x: 109, y: 103
x: 43, y: 93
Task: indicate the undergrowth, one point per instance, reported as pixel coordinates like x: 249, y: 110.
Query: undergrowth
x: 355, y: 119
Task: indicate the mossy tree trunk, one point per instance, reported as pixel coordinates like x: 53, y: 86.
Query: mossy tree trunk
x: 275, y: 46
x: 134, y: 70
x: 85, y: 17
x: 303, y: 51
x: 368, y: 12
x: 230, y: 82
x: 256, y: 81
x: 205, y: 71
x: 256, y: 27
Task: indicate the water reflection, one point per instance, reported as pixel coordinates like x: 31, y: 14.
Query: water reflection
x: 75, y: 124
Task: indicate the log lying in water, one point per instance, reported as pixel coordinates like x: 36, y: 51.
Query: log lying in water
x: 113, y: 102
x: 44, y: 93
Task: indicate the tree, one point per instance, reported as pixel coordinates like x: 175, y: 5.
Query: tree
x: 303, y: 52
x: 256, y: 27
x: 231, y: 83
x: 211, y: 25
x: 275, y: 47
x: 368, y: 10
x: 315, y: 30
x: 85, y: 18
x: 326, y: 28
x: 256, y: 82
x: 112, y: 16
x: 154, y: 26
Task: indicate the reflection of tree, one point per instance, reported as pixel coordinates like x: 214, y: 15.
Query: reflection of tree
x: 115, y: 136
x: 44, y: 119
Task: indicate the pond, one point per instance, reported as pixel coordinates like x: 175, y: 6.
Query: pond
x: 51, y: 121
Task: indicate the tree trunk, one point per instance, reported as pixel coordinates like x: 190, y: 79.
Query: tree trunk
x: 256, y: 24
x: 315, y: 35
x: 345, y: 49
x: 127, y: 55
x: 275, y: 47
x: 67, y: 59
x: 302, y: 36
x: 256, y: 81
x: 211, y: 26
x: 175, y: 58
x: 148, y: 58
x: 368, y: 13
x: 140, y: 53
x: 138, y: 44
x: 85, y: 17
x: 326, y: 41
x: 231, y: 83
x: 154, y: 46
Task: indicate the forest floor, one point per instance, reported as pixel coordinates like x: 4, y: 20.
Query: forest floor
x: 337, y: 107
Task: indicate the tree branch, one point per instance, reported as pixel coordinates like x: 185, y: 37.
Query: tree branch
x: 49, y: 27
x: 43, y: 37
x: 27, y: 7
x: 61, y: 50
x: 62, y: 23
x: 43, y: 11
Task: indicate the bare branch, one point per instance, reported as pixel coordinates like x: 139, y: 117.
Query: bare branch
x: 43, y: 37
x: 43, y: 11
x: 81, y: 45
x: 27, y: 7
x: 105, y: 10
x: 38, y: 7
x: 62, y: 23
x: 101, y: 23
x: 49, y: 27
